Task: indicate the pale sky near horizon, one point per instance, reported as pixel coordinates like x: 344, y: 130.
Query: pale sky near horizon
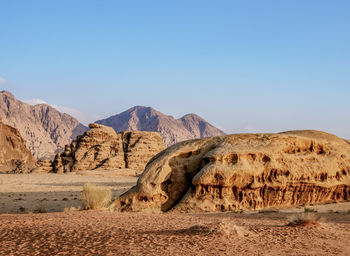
x: 244, y: 66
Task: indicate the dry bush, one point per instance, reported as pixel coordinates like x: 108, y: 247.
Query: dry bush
x: 40, y: 209
x: 305, y: 219
x: 95, y: 197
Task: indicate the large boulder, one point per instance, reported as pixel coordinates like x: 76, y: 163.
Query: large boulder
x: 14, y: 156
x: 102, y: 148
x: 244, y: 172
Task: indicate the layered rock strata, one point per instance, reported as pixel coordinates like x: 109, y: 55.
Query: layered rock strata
x: 244, y: 172
x: 102, y: 148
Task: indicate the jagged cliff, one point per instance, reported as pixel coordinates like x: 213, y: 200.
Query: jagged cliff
x: 14, y: 156
x: 172, y: 130
x: 102, y: 148
x: 45, y: 130
x: 244, y: 172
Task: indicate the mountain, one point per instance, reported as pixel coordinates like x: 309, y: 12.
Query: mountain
x: 45, y: 130
x: 14, y: 156
x: 172, y: 130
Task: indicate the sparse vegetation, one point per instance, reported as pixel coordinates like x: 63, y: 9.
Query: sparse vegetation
x: 305, y: 219
x: 95, y: 197
x: 40, y: 209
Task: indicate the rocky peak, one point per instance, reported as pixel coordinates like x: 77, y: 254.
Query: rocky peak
x: 172, y: 130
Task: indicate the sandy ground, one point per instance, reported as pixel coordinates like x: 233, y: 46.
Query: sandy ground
x: 108, y: 233
x: 24, y: 193
x: 113, y: 233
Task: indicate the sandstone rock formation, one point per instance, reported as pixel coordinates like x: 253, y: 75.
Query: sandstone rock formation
x: 172, y: 130
x: 44, y: 166
x: 102, y: 148
x: 45, y: 130
x: 244, y: 172
x: 14, y: 156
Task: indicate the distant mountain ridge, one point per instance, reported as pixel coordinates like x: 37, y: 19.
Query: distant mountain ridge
x: 172, y: 130
x: 45, y: 130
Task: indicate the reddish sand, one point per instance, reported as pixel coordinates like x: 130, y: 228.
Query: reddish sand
x: 108, y: 233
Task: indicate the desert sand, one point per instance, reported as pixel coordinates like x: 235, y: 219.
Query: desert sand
x: 115, y: 233
x: 110, y: 233
x: 23, y: 193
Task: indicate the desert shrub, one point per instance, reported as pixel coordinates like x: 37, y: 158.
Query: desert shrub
x: 95, y: 197
x: 40, y: 209
x: 304, y: 219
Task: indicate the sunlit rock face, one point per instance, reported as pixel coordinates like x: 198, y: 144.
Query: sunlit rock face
x: 244, y: 172
x: 102, y: 148
x: 14, y: 155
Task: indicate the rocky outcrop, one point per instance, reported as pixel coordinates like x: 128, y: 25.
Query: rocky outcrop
x: 44, y: 166
x: 172, y: 130
x: 14, y: 156
x: 244, y: 172
x: 102, y: 148
x: 45, y: 130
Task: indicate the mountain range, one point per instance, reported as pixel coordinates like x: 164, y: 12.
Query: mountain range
x: 46, y: 131
x: 172, y: 130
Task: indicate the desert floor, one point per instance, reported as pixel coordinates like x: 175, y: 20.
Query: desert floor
x: 24, y: 193
x: 113, y: 233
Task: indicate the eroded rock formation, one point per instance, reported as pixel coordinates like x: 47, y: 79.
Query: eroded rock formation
x: 244, y: 172
x: 14, y: 156
x: 102, y: 148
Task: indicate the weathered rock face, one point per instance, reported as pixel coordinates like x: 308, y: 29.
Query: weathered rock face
x: 14, y: 156
x: 244, y: 172
x: 44, y: 166
x: 102, y: 148
x: 45, y: 130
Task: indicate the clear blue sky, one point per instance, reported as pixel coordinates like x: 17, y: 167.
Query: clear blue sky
x: 242, y: 65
